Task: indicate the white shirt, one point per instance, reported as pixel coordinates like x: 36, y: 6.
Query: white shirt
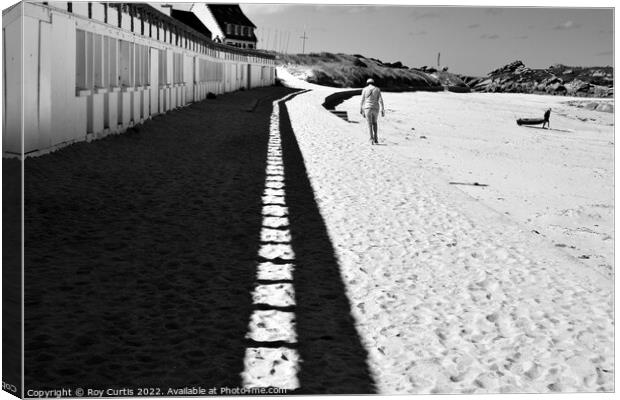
x: 371, y: 98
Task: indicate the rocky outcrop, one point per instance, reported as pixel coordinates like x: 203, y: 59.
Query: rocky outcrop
x: 341, y: 70
x: 556, y: 80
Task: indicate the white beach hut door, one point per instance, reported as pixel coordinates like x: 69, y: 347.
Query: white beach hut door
x: 154, y: 75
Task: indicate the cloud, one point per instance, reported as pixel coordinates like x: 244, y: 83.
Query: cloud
x: 522, y: 37
x: 605, y: 53
x: 606, y: 32
x: 566, y: 25
x: 473, y: 26
x: 493, y: 11
x: 490, y: 37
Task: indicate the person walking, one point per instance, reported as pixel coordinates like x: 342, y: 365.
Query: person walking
x: 546, y: 119
x: 371, y: 104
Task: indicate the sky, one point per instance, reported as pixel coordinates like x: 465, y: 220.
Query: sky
x: 471, y: 40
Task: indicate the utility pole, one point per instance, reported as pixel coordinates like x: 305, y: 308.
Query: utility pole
x: 303, y: 38
x: 438, y: 60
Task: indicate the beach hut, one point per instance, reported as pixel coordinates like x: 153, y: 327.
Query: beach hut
x: 77, y: 71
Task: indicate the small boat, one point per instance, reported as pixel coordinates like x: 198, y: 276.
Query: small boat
x: 530, y: 121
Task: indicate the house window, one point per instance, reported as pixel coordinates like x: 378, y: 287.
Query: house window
x: 250, y: 46
x: 126, y: 63
x: 88, y: 61
x: 177, y: 68
x: 163, y: 64
x: 141, y: 62
x: 228, y: 29
x: 80, y: 59
x: 110, y: 56
x: 237, y: 29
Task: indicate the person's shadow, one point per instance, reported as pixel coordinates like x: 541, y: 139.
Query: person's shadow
x: 546, y: 129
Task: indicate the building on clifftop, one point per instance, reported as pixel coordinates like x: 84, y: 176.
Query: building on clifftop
x: 227, y: 23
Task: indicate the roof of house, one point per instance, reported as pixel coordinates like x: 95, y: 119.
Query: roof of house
x: 190, y: 19
x: 231, y: 14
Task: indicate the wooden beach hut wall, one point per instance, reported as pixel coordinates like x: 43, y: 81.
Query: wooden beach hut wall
x: 77, y: 71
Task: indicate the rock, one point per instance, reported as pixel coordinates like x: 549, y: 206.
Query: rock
x: 508, y: 68
x: 578, y: 86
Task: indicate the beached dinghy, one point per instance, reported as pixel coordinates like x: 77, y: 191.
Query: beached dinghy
x: 530, y: 121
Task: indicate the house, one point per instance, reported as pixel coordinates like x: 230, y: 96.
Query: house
x: 227, y: 24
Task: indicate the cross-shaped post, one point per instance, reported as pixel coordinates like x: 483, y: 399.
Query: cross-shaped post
x: 303, y: 46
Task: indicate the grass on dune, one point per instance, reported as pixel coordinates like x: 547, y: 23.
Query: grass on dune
x: 343, y: 70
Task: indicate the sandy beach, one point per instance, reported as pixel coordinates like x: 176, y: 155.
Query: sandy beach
x: 450, y: 294
x: 148, y: 254
x: 556, y: 182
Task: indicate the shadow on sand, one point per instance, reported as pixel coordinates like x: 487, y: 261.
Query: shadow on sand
x: 141, y: 249
x: 334, y: 360
x: 140, y: 257
x: 546, y: 129
x: 12, y: 274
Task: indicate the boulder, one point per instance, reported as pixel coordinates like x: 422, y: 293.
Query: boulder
x: 552, y: 80
x: 578, y: 86
x: 508, y: 67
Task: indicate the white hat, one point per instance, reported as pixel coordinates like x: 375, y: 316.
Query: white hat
x: 370, y: 80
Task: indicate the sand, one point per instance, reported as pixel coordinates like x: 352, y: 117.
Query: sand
x: 225, y: 248
x: 141, y: 250
x: 449, y: 294
x: 557, y: 182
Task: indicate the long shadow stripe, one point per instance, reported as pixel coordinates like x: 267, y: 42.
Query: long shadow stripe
x: 333, y: 358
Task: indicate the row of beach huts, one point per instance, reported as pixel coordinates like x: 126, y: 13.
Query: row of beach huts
x: 77, y: 71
